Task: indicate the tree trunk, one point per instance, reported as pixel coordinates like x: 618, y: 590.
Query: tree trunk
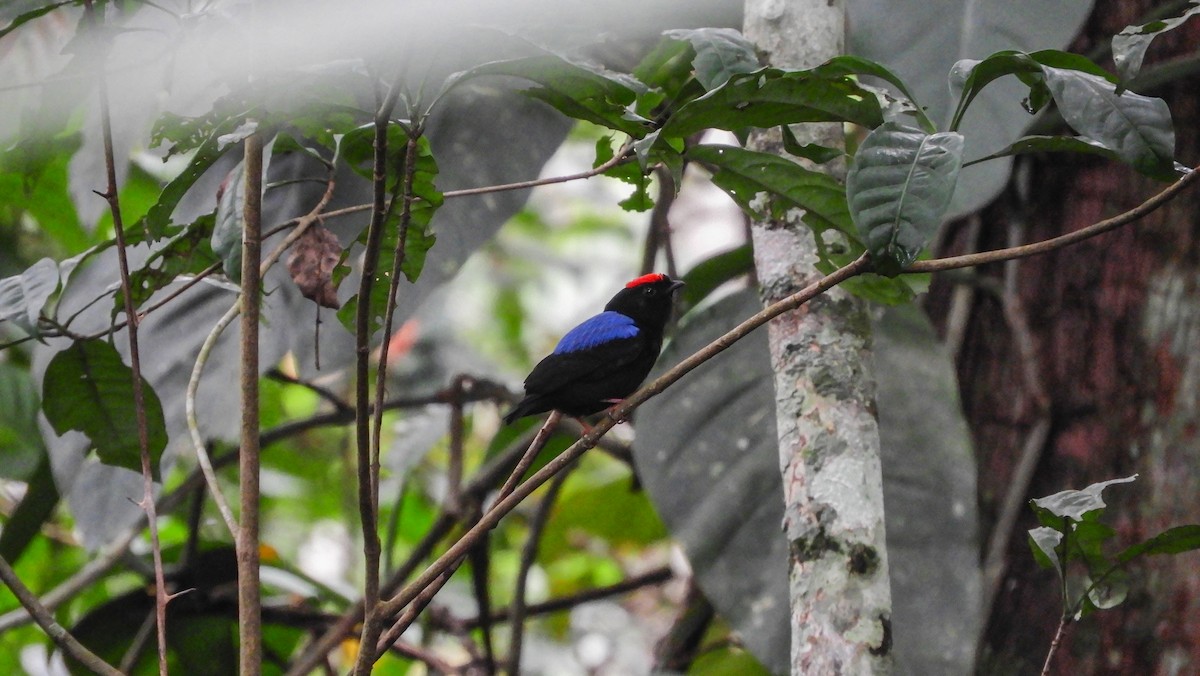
x: 1090, y: 356
x: 828, y: 435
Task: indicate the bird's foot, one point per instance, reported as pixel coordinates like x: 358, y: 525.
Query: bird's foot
x: 611, y: 411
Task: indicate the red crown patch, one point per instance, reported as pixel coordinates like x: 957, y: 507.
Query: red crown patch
x: 646, y: 279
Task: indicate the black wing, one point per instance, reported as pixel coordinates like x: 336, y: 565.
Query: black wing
x: 559, y: 370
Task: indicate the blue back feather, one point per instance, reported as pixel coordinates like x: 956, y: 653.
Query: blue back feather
x: 604, y: 327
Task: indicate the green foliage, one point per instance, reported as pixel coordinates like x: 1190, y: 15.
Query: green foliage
x: 418, y: 236
x: 1071, y: 531
x: 87, y: 387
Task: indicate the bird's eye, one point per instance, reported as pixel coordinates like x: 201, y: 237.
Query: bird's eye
x: 650, y: 291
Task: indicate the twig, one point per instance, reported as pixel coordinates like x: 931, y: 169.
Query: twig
x: 648, y: 579
x: 1054, y: 243
x: 324, y: 393
x: 531, y: 454
x: 366, y: 471
x: 199, y: 445
x: 139, y: 402
x: 620, y: 156
x: 679, y: 648
x: 1054, y: 643
x: 61, y: 637
x: 249, y: 464
x: 528, y: 557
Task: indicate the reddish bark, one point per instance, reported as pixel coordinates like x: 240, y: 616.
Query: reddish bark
x: 1115, y: 323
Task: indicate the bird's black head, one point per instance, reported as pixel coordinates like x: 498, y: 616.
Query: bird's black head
x: 647, y: 299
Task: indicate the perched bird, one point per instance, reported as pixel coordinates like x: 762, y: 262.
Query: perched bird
x: 606, y: 358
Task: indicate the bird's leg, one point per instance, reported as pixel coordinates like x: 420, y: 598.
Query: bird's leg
x: 611, y: 411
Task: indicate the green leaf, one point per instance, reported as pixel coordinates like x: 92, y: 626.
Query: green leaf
x: 772, y: 97
x: 1109, y: 592
x: 156, y: 223
x: 1074, y: 505
x: 766, y: 184
x: 813, y: 152
x: 41, y: 497
x: 898, y: 189
x: 856, y: 65
x: 23, y: 296
x: 187, y: 253
x: 578, y: 90
x: 1051, y: 144
x: 1171, y: 541
x: 226, y: 240
x: 1137, y: 128
x: 21, y: 447
x: 32, y: 14
x: 968, y: 77
x: 612, y: 510
x: 1044, y: 542
x: 418, y: 240
x: 1129, y: 46
x: 87, y: 387
x: 720, y: 53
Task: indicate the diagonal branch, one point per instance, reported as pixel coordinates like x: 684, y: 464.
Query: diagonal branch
x: 69, y: 644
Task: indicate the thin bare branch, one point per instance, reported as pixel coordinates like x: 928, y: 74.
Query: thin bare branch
x: 528, y: 556
x: 61, y: 637
x: 139, y: 397
x: 249, y: 465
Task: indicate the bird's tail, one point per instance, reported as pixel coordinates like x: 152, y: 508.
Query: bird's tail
x: 527, y: 406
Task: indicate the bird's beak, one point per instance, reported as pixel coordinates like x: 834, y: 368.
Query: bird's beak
x: 675, y: 286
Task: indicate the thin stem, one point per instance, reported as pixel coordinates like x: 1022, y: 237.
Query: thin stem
x: 61, y: 637
x: 143, y: 434
x: 531, y: 453
x: 528, y: 557
x: 621, y: 155
x: 367, y: 503
x: 1054, y: 643
x: 1054, y: 243
x: 648, y: 579
x: 249, y: 465
x: 189, y: 406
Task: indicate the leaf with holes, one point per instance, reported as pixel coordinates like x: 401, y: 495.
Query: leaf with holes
x: 87, y: 387
x: 311, y: 263
x: 1076, y: 505
x: 1130, y: 45
x: 898, y: 190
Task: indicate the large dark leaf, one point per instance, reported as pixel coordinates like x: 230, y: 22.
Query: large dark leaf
x: 88, y: 388
x: 707, y: 453
x: 1137, y: 128
x: 898, y: 190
